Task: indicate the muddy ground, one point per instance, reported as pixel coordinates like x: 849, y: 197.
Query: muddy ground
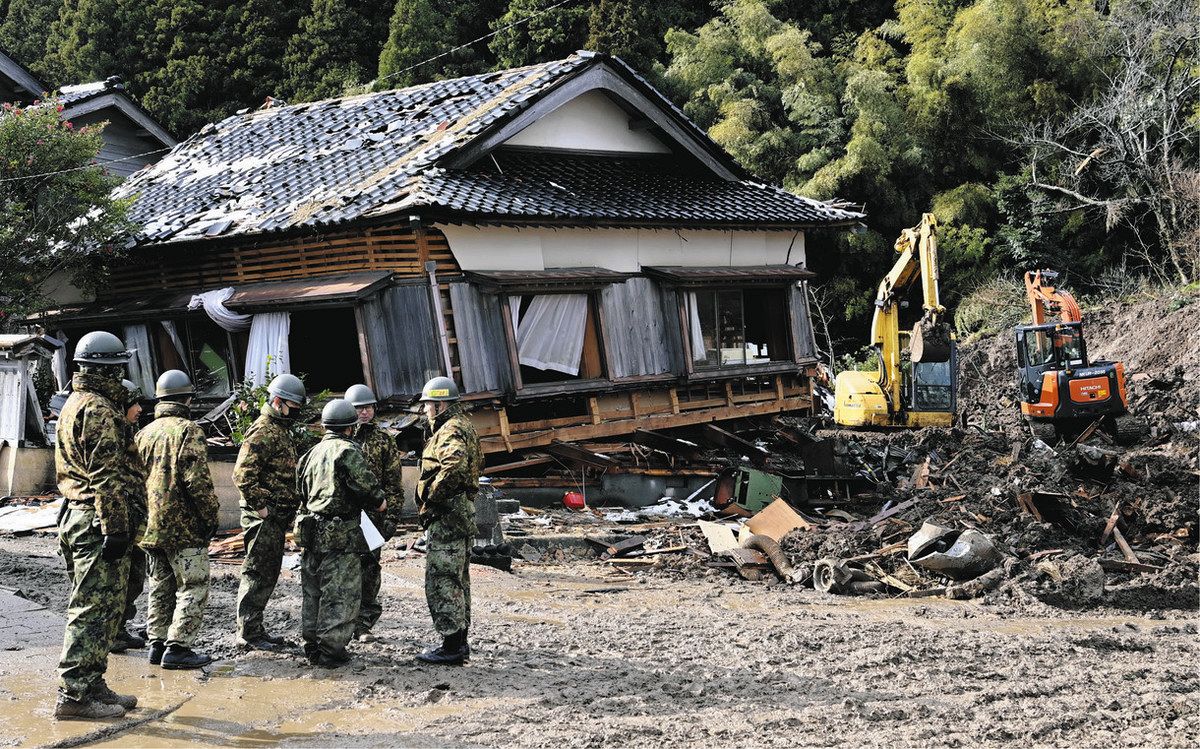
x: 579, y: 655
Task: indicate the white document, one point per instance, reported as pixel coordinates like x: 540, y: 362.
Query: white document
x: 370, y: 532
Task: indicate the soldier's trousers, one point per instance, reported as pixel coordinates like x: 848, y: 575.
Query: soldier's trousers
x: 260, y: 572
x: 332, y: 583
x: 138, y: 565
x: 448, y: 583
x: 178, y: 592
x: 369, y: 609
x: 96, y: 604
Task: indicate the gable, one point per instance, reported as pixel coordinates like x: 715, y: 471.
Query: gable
x: 589, y: 122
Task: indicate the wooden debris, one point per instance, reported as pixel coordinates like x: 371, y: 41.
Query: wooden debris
x: 776, y: 521
x: 720, y: 537
x: 1123, y: 545
x: 1117, y: 565
x: 621, y: 548
x: 1111, y: 525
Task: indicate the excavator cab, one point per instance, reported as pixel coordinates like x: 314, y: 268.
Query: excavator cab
x: 1062, y: 391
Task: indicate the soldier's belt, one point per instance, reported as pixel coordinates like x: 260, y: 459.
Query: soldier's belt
x: 325, y: 518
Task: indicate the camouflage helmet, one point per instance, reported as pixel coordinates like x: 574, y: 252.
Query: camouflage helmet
x: 173, y: 382
x: 288, y: 387
x: 134, y: 393
x: 338, y: 414
x: 360, y: 395
x: 440, y: 389
x: 101, y: 347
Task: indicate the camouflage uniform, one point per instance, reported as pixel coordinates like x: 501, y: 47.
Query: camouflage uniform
x: 182, y: 518
x: 265, y: 476
x: 446, y: 491
x: 137, y: 521
x: 92, y: 464
x: 383, y: 457
x: 336, y: 484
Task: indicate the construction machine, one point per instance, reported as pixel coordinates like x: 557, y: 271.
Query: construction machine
x: 918, y: 373
x: 1062, y: 392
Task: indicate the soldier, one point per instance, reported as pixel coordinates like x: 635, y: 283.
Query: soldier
x: 336, y: 485
x: 383, y: 457
x: 183, y: 517
x: 446, y: 491
x: 137, y: 520
x: 265, y: 476
x: 91, y: 460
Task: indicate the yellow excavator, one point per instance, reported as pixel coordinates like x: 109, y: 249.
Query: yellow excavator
x: 918, y: 372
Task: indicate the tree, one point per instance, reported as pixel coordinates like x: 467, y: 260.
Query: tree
x: 627, y: 29
x: 1129, y: 155
x: 420, y: 32
x: 93, y: 39
x: 24, y: 29
x: 334, y: 49
x: 261, y: 30
x: 56, y: 214
x: 539, y: 32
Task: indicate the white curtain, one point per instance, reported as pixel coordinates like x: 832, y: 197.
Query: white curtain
x: 141, y: 364
x: 514, y: 307
x: 696, y: 333
x: 177, y: 342
x: 58, y: 364
x: 267, y: 352
x: 213, y: 303
x: 551, y: 334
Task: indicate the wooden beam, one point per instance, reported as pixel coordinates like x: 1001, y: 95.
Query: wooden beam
x: 577, y: 454
x: 530, y: 462
x: 727, y: 439
x: 667, y: 444
x: 521, y: 439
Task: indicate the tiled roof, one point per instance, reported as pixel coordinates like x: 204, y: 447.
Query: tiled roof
x: 634, y: 190
x: 341, y: 160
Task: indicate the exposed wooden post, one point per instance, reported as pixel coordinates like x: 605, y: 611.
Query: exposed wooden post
x: 728, y: 393
x: 634, y: 402
x: 439, y: 317
x: 779, y: 387
x: 504, y: 432
x: 674, y: 395
x: 594, y: 410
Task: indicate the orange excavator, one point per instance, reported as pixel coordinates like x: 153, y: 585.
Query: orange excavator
x: 1062, y: 392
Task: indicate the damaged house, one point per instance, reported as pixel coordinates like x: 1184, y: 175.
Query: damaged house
x: 560, y: 239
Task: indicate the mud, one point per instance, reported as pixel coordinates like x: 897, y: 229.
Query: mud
x: 579, y: 655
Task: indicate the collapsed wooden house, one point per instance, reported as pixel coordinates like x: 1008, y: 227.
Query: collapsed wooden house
x: 559, y: 238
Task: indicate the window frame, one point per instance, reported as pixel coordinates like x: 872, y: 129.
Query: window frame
x: 718, y: 372
x: 520, y: 387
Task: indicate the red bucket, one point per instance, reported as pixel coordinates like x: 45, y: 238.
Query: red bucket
x: 574, y: 501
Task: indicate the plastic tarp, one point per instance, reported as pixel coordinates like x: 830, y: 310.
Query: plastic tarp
x: 267, y: 352
x: 213, y: 303
x: 141, y: 364
x: 551, y: 332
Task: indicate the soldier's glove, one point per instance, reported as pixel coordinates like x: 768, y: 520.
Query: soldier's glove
x: 115, y: 546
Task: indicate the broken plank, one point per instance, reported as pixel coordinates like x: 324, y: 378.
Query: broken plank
x: 517, y: 465
x: 656, y: 552
x: 890, y: 512
x: 620, y: 548
x: 1112, y: 523
x: 1118, y: 565
x: 1123, y: 545
x: 631, y: 562
x: 776, y: 520
x: 720, y: 537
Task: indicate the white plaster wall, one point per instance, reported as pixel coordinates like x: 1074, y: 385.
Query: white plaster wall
x: 623, y: 250
x: 590, y: 122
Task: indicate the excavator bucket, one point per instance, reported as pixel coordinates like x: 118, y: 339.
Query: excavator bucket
x: 929, y: 342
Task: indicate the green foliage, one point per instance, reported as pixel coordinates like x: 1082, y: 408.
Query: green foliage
x: 260, y: 32
x: 865, y: 359
x: 994, y: 305
x: 548, y: 36
x: 417, y: 32
x: 24, y: 28
x: 321, y: 60
x: 55, y: 211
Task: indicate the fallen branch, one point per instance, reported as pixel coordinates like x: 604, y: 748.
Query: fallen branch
x: 108, y: 732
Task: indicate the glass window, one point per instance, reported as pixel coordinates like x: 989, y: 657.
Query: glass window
x: 736, y: 327
x: 211, y: 359
x: 1038, y: 350
x: 932, y: 385
x: 1069, y: 342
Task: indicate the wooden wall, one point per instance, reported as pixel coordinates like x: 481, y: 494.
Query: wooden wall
x: 204, y: 266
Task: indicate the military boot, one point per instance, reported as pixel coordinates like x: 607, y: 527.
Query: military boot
x: 261, y: 642
x: 453, y: 651
x: 157, y: 648
x: 332, y: 660
x: 180, y: 657
x: 102, y: 693
x: 125, y: 641
x: 87, y: 708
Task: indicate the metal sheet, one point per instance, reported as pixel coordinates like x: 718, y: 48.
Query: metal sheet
x: 482, y: 344
x: 636, y: 332
x: 739, y: 275
x: 401, y: 338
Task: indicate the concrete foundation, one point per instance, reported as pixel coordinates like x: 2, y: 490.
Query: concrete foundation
x: 26, y: 471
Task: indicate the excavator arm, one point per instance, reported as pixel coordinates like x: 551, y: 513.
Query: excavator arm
x: 1047, y: 301
x: 930, y: 337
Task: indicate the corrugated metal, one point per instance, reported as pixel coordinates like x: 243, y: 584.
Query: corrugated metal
x: 399, y: 329
x: 637, y: 333
x: 482, y: 346
x: 802, y: 333
x: 746, y: 274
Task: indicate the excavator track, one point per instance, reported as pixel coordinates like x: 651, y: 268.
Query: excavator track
x: 1129, y: 430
